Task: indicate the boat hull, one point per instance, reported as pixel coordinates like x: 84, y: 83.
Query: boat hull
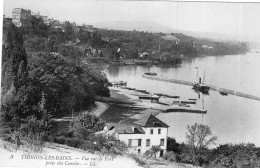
x: 200, y: 87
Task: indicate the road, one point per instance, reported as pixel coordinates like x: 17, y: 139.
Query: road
x: 97, y: 111
x: 100, y: 109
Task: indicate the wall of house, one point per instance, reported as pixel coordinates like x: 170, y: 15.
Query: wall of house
x: 21, y: 17
x: 155, y: 139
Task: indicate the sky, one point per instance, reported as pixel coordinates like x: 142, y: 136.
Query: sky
x: 239, y: 20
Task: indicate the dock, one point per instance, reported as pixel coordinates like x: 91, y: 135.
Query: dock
x: 214, y: 88
x: 185, y: 110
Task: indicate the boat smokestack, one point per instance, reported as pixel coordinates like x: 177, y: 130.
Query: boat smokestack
x: 199, y: 80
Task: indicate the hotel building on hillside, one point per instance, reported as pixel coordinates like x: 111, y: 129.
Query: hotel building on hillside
x: 21, y: 17
x: 140, y: 134
x: 44, y: 18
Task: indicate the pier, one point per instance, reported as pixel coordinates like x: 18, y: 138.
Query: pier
x: 185, y: 110
x: 214, y: 88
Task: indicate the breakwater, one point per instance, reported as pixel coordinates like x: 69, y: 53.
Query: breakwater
x: 214, y: 88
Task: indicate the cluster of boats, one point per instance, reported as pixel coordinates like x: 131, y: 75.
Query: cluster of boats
x: 184, y: 105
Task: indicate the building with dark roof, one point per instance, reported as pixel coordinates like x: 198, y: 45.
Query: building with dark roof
x: 140, y: 132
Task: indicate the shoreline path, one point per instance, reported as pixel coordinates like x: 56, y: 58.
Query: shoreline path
x: 100, y: 109
x: 97, y: 111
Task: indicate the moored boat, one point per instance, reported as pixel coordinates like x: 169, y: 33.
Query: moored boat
x: 150, y: 73
x: 223, y: 93
x: 201, y: 87
x: 175, y: 97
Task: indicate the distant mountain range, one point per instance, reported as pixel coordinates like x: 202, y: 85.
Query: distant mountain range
x: 155, y: 27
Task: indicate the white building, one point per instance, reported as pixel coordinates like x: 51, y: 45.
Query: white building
x: 21, y: 17
x: 140, y: 134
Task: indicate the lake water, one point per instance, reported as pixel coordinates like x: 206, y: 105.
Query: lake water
x: 232, y: 119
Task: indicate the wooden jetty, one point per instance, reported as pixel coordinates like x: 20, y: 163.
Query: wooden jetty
x: 185, y: 110
x: 188, y: 102
x: 166, y: 95
x: 145, y: 97
x: 119, y: 83
x: 175, y: 97
x: 213, y: 88
x: 158, y: 94
x: 184, y: 105
x: 154, y: 98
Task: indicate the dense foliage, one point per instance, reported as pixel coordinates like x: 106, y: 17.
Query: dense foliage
x: 227, y: 155
x: 42, y: 78
x: 175, y: 43
x: 84, y: 125
x: 82, y: 134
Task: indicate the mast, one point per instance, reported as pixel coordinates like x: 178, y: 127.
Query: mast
x: 197, y: 77
x: 202, y: 107
x: 204, y: 79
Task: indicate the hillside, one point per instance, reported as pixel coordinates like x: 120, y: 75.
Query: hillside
x: 132, y: 42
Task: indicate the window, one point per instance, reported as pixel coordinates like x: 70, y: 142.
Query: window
x: 148, y: 142
x: 162, y: 142
x: 151, y: 131
x: 129, y: 142
x: 156, y: 124
x: 139, y: 142
x: 134, y: 142
x: 159, y: 131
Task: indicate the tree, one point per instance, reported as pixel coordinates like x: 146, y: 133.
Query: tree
x: 152, y: 152
x: 69, y: 33
x: 83, y: 36
x: 35, y: 44
x: 85, y: 124
x: 37, y: 28
x: 199, y: 137
x: 15, y: 78
x: 174, y: 146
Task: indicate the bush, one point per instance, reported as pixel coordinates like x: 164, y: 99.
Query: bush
x: 85, y: 124
x: 239, y: 155
x: 174, y: 146
x: 60, y: 140
x: 89, y: 146
x: 108, y: 145
x: 73, y: 142
x: 5, y: 133
x: 33, y: 132
x: 170, y: 156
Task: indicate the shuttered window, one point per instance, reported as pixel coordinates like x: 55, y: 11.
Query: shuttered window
x: 162, y: 142
x: 129, y: 142
x: 148, y: 141
x: 139, y: 142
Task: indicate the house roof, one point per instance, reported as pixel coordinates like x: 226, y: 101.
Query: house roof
x: 135, y: 124
x: 125, y: 128
x: 150, y: 121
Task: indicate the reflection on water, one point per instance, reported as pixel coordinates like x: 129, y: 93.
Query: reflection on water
x: 232, y: 119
